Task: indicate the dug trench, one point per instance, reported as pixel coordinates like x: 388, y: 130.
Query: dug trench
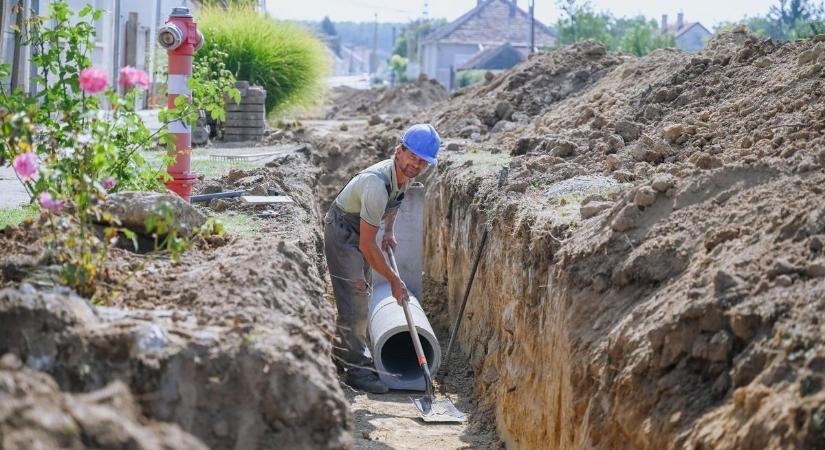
x: 653, y: 276
x: 652, y: 279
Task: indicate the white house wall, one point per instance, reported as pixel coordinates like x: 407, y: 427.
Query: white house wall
x: 693, y: 40
x: 439, y: 59
x: 150, y: 14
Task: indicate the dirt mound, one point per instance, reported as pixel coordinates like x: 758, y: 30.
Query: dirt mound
x: 403, y: 99
x: 341, y: 155
x: 233, y: 343
x: 35, y: 414
x: 657, y: 251
x: 527, y: 90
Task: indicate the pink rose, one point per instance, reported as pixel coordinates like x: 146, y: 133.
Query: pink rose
x: 109, y: 183
x: 49, y: 202
x: 131, y: 77
x: 93, y: 80
x: 26, y: 165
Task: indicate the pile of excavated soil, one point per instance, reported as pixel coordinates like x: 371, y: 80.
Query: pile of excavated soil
x: 340, y: 155
x: 530, y: 89
x: 34, y: 413
x: 232, y: 343
x: 654, y: 276
x: 402, y: 99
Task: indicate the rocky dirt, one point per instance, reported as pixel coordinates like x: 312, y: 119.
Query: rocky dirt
x: 653, y: 277
x: 232, y: 343
x: 400, y: 100
x: 672, y: 297
x: 34, y: 413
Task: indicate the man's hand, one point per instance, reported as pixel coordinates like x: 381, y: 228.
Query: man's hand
x: 388, y: 241
x: 399, y: 291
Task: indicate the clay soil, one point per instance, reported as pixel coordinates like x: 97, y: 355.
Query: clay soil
x: 653, y: 277
x: 232, y: 343
x: 654, y: 274
x: 400, y: 100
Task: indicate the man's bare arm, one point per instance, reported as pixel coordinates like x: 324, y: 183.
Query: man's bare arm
x: 389, y: 235
x: 375, y: 258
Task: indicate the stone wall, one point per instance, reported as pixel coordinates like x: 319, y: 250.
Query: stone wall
x: 246, y: 121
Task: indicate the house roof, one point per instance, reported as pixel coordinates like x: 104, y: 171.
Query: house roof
x: 458, y: 32
x: 688, y: 26
x: 499, y: 57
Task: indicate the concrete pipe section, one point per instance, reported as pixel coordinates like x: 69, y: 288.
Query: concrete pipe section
x: 392, y: 347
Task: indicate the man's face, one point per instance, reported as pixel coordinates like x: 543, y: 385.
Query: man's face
x: 409, y: 163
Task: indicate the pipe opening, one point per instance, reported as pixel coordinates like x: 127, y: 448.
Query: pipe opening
x: 398, y: 356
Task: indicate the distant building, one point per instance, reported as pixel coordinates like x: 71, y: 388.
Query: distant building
x: 502, y: 57
x: 490, y: 25
x: 690, y: 36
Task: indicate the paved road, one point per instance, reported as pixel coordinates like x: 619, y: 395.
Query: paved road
x: 12, y: 192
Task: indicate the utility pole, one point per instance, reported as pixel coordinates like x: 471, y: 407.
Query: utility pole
x: 374, y: 59
x: 532, y: 26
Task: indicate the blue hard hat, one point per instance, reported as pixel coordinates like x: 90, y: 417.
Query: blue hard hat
x: 423, y: 140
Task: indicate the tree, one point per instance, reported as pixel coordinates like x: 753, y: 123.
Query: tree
x: 407, y: 45
x: 643, y: 38
x: 398, y: 65
x: 790, y: 19
x: 327, y: 27
x: 621, y: 25
x: 579, y: 22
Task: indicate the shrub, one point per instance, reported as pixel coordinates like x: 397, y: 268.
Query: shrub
x: 286, y: 59
x: 69, y: 153
x: 466, y: 78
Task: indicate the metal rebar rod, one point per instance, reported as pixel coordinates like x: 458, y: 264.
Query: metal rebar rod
x: 457, y: 322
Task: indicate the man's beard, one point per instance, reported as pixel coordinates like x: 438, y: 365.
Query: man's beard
x: 410, y: 172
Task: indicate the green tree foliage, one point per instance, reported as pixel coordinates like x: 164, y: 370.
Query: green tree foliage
x: 644, y: 37
x: 285, y: 58
x: 411, y: 35
x: 398, y: 64
x: 579, y: 22
x: 635, y: 35
x: 787, y: 20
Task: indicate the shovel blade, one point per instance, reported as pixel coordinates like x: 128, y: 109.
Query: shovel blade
x: 441, y: 411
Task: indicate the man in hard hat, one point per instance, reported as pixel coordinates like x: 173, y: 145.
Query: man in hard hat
x: 351, y: 247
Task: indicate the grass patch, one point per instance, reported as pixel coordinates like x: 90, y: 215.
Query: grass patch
x: 201, y: 164
x: 217, y: 169
x: 14, y: 216
x: 240, y: 225
x: 285, y: 58
x: 482, y: 160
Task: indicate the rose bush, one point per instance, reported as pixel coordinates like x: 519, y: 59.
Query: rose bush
x: 76, y: 139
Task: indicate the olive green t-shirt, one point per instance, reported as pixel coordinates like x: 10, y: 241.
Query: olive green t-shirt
x: 366, y: 194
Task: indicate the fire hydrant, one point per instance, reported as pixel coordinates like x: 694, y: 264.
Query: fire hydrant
x: 181, y: 38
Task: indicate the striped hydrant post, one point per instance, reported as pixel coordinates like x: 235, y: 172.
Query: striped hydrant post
x: 181, y: 38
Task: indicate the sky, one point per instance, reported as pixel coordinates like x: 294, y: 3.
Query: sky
x: 709, y: 12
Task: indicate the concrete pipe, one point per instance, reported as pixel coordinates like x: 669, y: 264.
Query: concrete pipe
x: 392, y: 347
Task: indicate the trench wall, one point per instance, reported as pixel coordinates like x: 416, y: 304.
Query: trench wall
x: 514, y: 330
x: 584, y: 337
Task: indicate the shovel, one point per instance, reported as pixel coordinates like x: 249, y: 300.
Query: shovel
x: 430, y: 409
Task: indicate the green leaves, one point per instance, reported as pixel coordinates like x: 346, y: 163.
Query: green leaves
x: 80, y: 145
x: 286, y: 59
